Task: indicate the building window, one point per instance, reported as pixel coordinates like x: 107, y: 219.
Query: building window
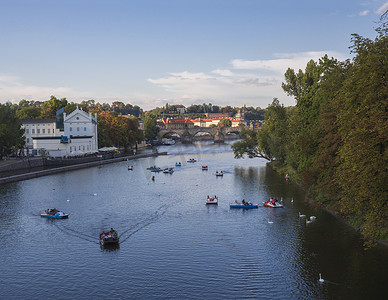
x: 43, y: 130
x: 32, y: 130
x: 71, y: 128
x: 28, y: 140
x: 27, y: 131
x: 84, y: 128
x: 77, y: 128
x: 38, y: 131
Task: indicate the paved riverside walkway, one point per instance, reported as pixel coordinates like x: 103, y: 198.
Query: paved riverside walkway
x: 34, y: 174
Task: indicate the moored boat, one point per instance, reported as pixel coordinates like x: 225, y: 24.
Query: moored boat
x: 169, y: 142
x: 191, y: 160
x: 130, y: 168
x: 212, y: 200
x: 109, y: 238
x: 219, y: 173
x: 178, y: 164
x: 54, y: 214
x: 204, y: 168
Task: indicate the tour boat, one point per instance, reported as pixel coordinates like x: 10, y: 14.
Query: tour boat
x: 219, y: 173
x: 130, y: 168
x: 204, y: 168
x: 213, y: 200
x: 178, y: 164
x: 54, y: 214
x: 192, y: 160
x: 109, y: 238
x: 244, y: 205
x: 274, y: 204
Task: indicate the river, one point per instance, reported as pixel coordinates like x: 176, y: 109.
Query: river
x: 172, y: 245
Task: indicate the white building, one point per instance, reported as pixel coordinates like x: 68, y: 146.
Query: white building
x: 79, y: 135
x: 38, y: 128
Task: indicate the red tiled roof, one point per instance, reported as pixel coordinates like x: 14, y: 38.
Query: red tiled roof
x: 179, y: 121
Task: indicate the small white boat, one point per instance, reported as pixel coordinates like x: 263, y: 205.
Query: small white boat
x: 169, y: 142
x: 130, y: 168
x: 219, y: 173
x: 212, y: 200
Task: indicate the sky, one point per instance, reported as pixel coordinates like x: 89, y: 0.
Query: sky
x: 152, y: 52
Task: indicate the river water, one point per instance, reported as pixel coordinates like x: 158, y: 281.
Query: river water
x: 173, y: 246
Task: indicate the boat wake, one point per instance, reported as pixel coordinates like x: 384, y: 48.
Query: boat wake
x: 126, y: 234
x: 77, y: 234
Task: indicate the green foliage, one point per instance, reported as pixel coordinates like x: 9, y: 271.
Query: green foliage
x: 116, y: 130
x: 11, y: 133
x: 224, y: 122
x: 43, y: 152
x: 150, y: 128
x: 334, y: 142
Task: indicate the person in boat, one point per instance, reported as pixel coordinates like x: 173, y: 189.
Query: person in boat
x: 113, y: 232
x: 208, y: 197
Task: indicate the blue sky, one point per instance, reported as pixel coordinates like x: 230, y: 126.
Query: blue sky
x: 153, y: 52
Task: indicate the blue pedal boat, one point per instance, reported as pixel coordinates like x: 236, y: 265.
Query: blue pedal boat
x: 57, y: 215
x: 245, y: 205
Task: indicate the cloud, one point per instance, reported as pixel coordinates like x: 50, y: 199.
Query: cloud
x: 12, y: 89
x: 382, y: 9
x: 223, y: 72
x: 283, y: 61
x: 364, y: 13
x: 253, y: 82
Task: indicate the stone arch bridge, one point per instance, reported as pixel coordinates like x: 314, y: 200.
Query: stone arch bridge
x: 187, y: 134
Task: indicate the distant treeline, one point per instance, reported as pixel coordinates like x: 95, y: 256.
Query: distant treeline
x: 334, y: 141
x: 47, y: 109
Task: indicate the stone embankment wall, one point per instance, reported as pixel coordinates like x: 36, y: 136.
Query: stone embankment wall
x: 81, y: 165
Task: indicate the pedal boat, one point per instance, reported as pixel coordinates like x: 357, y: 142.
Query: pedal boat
x: 57, y: 215
x: 246, y: 205
x: 212, y: 201
x: 272, y: 205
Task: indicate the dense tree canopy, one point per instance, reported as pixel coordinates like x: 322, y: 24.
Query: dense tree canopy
x: 11, y: 133
x: 150, y: 129
x: 117, y: 130
x: 334, y: 142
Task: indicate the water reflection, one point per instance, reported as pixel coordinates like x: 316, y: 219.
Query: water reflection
x: 172, y: 245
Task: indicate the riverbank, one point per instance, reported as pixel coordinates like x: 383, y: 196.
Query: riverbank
x: 34, y: 174
x: 282, y: 171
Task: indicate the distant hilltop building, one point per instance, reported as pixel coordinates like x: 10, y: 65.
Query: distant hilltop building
x: 77, y: 135
x: 181, y: 109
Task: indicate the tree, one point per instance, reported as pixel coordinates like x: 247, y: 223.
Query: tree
x: 50, y: 107
x: 28, y: 112
x: 150, y: 128
x: 11, y: 133
x: 224, y: 122
x: 270, y: 141
x: 363, y: 127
